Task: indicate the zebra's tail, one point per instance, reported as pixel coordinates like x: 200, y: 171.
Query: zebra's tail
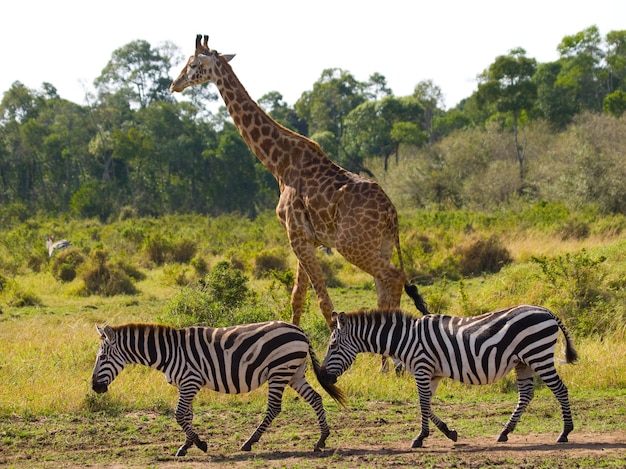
x: 570, y: 352
x: 332, y: 390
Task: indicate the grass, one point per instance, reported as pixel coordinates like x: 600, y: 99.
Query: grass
x: 49, y: 416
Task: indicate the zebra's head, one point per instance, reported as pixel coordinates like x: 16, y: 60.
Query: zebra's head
x: 341, y: 350
x: 109, y: 361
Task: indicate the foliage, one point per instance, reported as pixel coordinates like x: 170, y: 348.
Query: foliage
x: 577, y: 282
x: 103, y: 277
x: 65, y: 264
x: 480, y: 256
x: 222, y: 298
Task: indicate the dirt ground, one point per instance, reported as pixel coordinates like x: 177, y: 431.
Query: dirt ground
x: 521, y: 451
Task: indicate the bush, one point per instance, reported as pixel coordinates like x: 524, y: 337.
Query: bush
x: 65, y: 263
x: 267, y: 262
x: 105, y: 278
x: 577, y: 284
x: 482, y: 256
x: 183, y: 251
x: 158, y: 249
x: 221, y: 299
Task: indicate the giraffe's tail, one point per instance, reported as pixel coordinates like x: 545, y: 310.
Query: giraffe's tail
x: 420, y: 304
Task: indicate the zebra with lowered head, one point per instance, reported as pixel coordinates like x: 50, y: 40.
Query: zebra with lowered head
x: 229, y: 360
x: 474, y: 350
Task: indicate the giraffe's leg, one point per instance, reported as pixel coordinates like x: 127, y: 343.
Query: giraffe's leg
x: 276, y: 387
x: 298, y: 294
x: 550, y: 377
x: 308, y: 266
x: 292, y: 212
x: 184, y: 417
x: 309, y: 394
x: 526, y: 391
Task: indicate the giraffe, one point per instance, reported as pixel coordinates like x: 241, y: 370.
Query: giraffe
x: 320, y: 203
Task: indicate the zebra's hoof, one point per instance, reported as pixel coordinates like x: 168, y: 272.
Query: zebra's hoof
x: 247, y: 446
x: 202, y: 445
x: 562, y: 439
x: 417, y: 443
x: 453, y: 435
x: 181, y: 451
x: 502, y: 438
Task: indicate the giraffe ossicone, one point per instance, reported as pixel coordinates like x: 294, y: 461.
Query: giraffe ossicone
x: 320, y: 203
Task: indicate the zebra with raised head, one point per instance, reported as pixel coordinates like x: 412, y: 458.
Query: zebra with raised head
x: 229, y: 360
x: 53, y: 245
x: 474, y: 350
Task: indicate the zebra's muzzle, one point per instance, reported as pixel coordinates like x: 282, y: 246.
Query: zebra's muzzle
x: 99, y: 387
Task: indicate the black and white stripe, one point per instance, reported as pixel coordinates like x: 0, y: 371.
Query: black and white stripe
x: 229, y: 360
x: 474, y: 350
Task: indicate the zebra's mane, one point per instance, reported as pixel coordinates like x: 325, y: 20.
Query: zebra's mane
x: 381, y: 313
x: 143, y: 326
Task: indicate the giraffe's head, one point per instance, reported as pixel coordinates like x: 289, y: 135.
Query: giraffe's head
x: 200, y: 67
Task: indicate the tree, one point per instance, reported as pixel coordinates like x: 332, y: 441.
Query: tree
x: 616, y: 60
x: 377, y: 128
x: 430, y: 98
x: 325, y: 107
x: 508, y: 84
x: 274, y: 104
x: 581, y: 74
x: 140, y: 71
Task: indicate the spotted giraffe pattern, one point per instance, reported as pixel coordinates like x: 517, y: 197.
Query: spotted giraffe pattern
x: 321, y: 203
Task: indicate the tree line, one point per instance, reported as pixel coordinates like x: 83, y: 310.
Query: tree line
x: 134, y: 150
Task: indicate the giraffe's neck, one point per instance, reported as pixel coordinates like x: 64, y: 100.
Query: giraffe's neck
x: 268, y: 140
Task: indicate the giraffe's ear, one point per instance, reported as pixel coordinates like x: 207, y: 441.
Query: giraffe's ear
x: 227, y: 57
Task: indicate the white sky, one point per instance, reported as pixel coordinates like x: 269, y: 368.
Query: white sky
x: 283, y: 45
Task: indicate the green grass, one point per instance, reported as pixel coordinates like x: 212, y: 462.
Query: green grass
x: 47, y: 349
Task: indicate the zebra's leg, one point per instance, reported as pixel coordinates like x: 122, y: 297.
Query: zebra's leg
x: 440, y: 424
x: 274, y: 404
x: 423, y: 391
x: 558, y: 388
x: 525, y: 391
x: 184, y: 417
x: 309, y: 394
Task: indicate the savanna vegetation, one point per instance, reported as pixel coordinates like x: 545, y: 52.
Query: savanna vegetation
x: 516, y: 195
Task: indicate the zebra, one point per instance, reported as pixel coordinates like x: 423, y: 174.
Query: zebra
x: 474, y: 350
x: 231, y: 360
x: 52, y: 246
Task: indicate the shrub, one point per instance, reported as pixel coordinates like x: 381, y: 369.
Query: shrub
x: 23, y: 299
x: 482, y: 256
x: 226, y: 285
x: 222, y: 298
x: 158, y: 249
x: 576, y: 281
x: 183, y: 251
x: 102, y: 277
x: 267, y: 262
x: 65, y: 264
x: 574, y: 230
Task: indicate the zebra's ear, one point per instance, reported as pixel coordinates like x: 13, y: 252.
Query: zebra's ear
x: 341, y: 320
x: 109, y: 333
x: 333, y: 320
x: 100, y: 331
